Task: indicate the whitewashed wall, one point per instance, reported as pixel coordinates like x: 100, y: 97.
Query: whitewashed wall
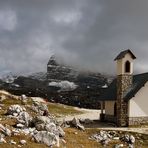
x: 121, y: 64
x: 109, y: 107
x: 138, y: 105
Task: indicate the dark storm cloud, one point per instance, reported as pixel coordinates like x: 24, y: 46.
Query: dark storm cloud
x: 85, y: 33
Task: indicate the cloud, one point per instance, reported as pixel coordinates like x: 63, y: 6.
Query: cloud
x: 67, y: 17
x: 87, y: 34
x: 8, y: 20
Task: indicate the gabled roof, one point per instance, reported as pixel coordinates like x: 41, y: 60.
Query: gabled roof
x: 111, y: 92
x: 123, y: 53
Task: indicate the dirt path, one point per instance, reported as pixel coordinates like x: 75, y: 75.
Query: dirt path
x: 87, y: 114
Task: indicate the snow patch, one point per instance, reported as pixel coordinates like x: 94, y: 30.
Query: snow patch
x: 64, y: 85
x: 105, y: 86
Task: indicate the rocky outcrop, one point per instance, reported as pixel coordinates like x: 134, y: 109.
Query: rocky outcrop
x: 105, y: 137
x: 15, y: 110
x: 42, y: 128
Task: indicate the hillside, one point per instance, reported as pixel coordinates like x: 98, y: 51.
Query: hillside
x: 24, y: 124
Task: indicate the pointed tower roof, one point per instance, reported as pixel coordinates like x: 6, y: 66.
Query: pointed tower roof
x: 123, y: 53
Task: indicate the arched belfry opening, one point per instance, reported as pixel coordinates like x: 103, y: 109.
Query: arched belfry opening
x: 127, y: 66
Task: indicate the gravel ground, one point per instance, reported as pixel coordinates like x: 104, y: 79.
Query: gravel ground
x: 94, y: 115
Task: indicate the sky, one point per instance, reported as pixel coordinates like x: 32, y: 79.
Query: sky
x: 84, y: 33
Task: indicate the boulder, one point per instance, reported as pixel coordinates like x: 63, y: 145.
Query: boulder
x: 24, y: 118
x: 2, y: 98
x: 5, y: 130
x: 41, y: 120
x: 19, y: 125
x: 51, y: 127
x: 60, y: 131
x: 75, y: 122
x: 130, y: 146
x: 12, y: 142
x: 15, y: 109
x: 104, y: 142
x: 132, y: 139
x: 47, y: 138
x: 23, y: 142
x: 2, y: 140
x: 43, y: 123
x: 23, y: 97
x: 40, y: 108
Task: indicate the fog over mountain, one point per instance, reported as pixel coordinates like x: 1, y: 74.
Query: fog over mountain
x: 84, y: 33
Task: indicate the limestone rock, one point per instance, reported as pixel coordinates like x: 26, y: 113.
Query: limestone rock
x: 60, y: 131
x: 118, y: 146
x: 15, y: 109
x: 12, y: 142
x: 51, y: 127
x: 5, y: 130
x: 24, y: 118
x: 2, y: 140
x: 132, y: 139
x: 40, y: 108
x: 47, y: 138
x: 20, y: 125
x: 75, y: 122
x: 130, y: 146
x: 41, y: 120
x: 23, y: 97
x: 23, y: 142
x: 2, y: 98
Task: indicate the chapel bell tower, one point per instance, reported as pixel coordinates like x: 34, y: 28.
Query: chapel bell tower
x: 124, y: 81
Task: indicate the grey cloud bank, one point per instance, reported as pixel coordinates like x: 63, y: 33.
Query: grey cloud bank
x: 83, y: 33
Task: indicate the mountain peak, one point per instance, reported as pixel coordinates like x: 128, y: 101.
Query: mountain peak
x: 52, y: 61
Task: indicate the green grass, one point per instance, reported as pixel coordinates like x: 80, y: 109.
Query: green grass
x: 59, y: 109
x: 54, y: 108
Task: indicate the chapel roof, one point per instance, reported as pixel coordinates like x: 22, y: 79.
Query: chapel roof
x: 123, y: 53
x: 110, y: 93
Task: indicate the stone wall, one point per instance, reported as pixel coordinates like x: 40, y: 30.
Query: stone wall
x: 138, y: 120
x: 123, y: 83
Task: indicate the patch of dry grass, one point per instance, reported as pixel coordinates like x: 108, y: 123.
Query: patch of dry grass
x: 80, y: 139
x: 29, y: 144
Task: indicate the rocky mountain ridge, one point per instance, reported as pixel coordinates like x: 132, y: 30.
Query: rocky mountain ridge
x: 87, y: 85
